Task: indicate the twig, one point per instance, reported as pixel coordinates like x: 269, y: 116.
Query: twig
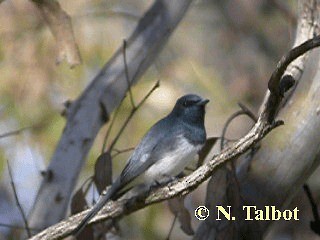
x: 248, y: 112
x: 225, y: 127
x: 88, y: 181
x: 244, y: 111
x: 121, y: 151
x: 15, y: 132
x: 124, y: 53
x: 171, y: 227
x: 109, y: 13
x: 312, y: 202
x: 314, y: 225
x: 124, y: 48
x: 109, y: 128
x: 17, y: 202
x: 133, y: 110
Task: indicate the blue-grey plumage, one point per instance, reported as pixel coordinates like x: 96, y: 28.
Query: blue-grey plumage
x: 166, y: 149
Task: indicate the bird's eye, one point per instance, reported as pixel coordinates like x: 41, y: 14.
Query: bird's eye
x: 185, y: 103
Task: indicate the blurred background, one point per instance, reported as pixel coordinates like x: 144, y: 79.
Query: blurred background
x: 224, y: 50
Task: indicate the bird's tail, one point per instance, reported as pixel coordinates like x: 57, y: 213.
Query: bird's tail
x: 96, y: 208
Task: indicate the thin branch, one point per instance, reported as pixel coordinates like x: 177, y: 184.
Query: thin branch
x: 124, y: 53
x: 121, y: 151
x: 313, y: 204
x: 109, y: 128
x: 15, y: 132
x: 88, y: 183
x: 134, y: 107
x: 109, y: 13
x: 244, y: 111
x: 124, y: 48
x: 248, y: 112
x: 225, y: 127
x: 171, y: 227
x: 17, y: 202
x: 133, y: 110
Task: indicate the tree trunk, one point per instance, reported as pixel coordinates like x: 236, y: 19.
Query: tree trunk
x: 286, y: 158
x: 91, y: 110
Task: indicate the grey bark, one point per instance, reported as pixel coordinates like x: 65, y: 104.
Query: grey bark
x: 257, y: 178
x: 264, y: 124
x: 90, y: 111
x: 287, y: 157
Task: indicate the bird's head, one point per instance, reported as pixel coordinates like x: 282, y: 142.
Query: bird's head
x: 190, y: 108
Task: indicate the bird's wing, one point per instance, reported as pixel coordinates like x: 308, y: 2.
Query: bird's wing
x: 151, y: 148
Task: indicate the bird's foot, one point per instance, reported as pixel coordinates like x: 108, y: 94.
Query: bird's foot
x: 164, y: 180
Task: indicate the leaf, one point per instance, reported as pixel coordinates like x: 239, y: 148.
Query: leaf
x: 103, y: 171
x: 59, y: 23
x: 177, y: 207
x: 78, y: 202
x: 206, y: 149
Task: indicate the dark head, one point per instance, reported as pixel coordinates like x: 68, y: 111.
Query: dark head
x: 190, y: 108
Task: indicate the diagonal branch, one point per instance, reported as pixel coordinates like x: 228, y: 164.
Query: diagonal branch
x: 131, y: 114
x: 187, y: 184
x: 124, y: 53
x: 12, y: 133
x: 25, y: 221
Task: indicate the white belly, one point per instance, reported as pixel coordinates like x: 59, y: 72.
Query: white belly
x: 172, y: 163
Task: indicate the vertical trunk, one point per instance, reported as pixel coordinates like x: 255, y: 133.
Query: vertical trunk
x: 90, y: 111
x: 288, y: 155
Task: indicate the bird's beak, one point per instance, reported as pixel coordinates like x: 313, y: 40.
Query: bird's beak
x: 203, y: 102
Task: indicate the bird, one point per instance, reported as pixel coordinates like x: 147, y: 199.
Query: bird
x: 163, y: 153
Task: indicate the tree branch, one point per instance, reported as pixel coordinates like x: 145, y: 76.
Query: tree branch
x: 23, y: 215
x: 180, y: 187
x: 12, y: 133
x: 287, y: 157
x: 91, y: 110
x: 131, y: 114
